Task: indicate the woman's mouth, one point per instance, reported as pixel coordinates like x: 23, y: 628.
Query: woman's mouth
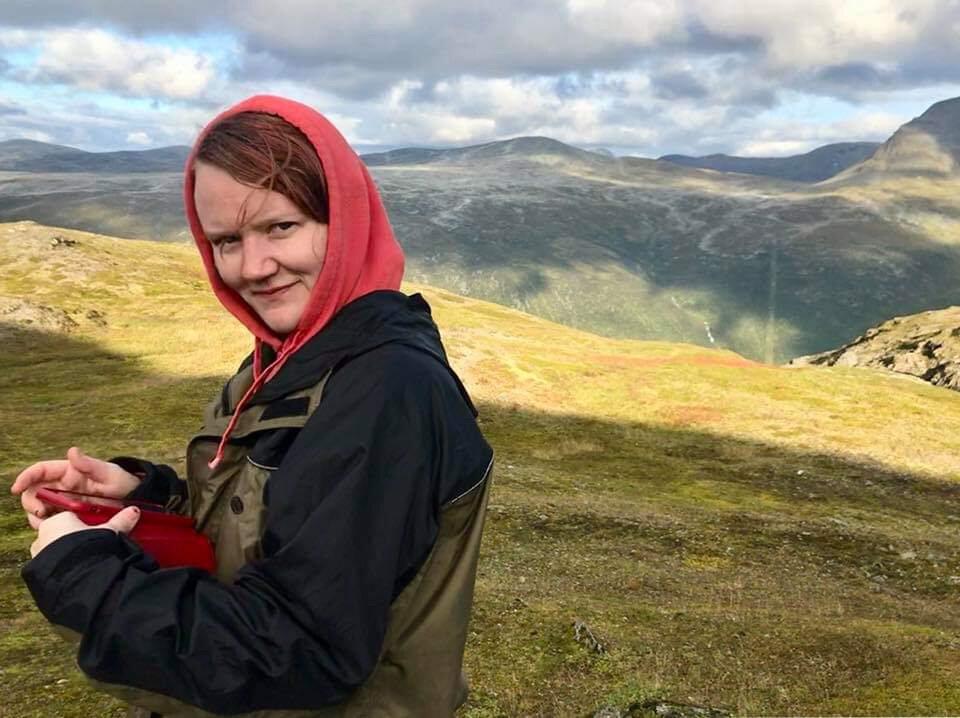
x: 272, y: 292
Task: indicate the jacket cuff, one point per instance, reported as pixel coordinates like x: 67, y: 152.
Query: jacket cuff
x: 159, y: 484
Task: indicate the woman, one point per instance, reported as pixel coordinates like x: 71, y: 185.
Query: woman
x: 340, y: 473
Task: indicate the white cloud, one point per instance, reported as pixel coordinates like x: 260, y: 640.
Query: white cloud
x: 138, y: 138
x: 800, y: 34
x: 642, y: 22
x: 99, y: 60
x: 36, y: 135
x: 644, y: 76
x: 13, y: 38
x: 790, y: 138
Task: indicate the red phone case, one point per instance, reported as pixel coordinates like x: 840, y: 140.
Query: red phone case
x: 170, y: 538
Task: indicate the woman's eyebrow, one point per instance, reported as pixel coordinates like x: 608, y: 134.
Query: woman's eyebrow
x: 259, y: 224
x: 211, y: 236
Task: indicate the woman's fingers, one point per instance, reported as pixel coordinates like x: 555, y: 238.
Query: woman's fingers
x: 124, y: 521
x: 42, y: 472
x: 31, y: 504
x: 34, y: 521
x: 86, y: 465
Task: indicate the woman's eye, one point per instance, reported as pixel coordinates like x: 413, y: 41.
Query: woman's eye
x: 283, y: 226
x: 224, y: 241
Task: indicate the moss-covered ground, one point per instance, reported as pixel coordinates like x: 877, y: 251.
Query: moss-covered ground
x: 743, y: 536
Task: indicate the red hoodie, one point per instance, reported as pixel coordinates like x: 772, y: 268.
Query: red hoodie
x: 362, y: 254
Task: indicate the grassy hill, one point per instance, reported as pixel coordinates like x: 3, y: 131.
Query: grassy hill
x: 756, y: 538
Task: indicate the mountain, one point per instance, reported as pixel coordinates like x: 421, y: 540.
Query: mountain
x: 767, y: 540
x: 623, y: 246
x: 928, y: 145
x: 519, y: 147
x: 814, y: 166
x: 648, y: 249
x: 31, y: 156
x: 925, y: 345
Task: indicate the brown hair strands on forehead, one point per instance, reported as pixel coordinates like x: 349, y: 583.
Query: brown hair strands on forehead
x: 264, y: 151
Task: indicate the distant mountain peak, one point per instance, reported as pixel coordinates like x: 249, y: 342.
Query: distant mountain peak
x: 927, y: 145
x: 949, y: 108
x: 516, y: 147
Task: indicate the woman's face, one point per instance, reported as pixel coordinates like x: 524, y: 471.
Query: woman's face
x: 264, y: 247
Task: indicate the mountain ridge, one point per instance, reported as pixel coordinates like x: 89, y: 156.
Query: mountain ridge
x: 813, y: 166
x: 21, y: 155
x: 928, y: 145
x: 625, y: 247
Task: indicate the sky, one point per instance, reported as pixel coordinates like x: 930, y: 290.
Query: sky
x: 637, y: 77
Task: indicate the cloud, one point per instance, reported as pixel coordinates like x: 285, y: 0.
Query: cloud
x: 362, y: 51
x: 802, y: 34
x: 99, y: 60
x: 676, y: 85
x: 11, y: 108
x: 35, y: 135
x: 790, y: 138
x: 643, y: 76
x: 139, y: 138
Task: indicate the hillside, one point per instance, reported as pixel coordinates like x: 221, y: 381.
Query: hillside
x: 32, y: 156
x: 928, y: 145
x: 814, y: 166
x: 623, y: 247
x: 747, y: 537
x: 925, y: 345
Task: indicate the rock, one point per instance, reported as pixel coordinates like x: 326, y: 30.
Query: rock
x: 583, y: 634
x: 656, y: 708
x: 925, y: 345
x: 61, y: 241
x: 35, y: 316
x: 97, y: 317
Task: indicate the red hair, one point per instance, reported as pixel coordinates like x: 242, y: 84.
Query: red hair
x: 267, y: 152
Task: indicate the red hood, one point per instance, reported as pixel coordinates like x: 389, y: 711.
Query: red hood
x: 362, y: 254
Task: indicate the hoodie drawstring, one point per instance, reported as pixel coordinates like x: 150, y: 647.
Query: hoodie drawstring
x: 260, y: 378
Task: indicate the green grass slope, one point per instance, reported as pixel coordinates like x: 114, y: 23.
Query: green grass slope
x: 755, y: 538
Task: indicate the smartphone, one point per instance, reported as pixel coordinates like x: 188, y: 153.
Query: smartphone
x: 170, y: 538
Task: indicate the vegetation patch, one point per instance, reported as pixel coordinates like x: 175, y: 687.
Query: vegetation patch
x: 738, y: 537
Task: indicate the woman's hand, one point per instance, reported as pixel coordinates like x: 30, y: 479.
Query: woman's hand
x: 66, y: 522
x: 78, y: 472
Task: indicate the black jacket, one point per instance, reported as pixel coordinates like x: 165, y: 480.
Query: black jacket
x: 352, y: 513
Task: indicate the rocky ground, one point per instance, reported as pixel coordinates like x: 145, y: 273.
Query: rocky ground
x: 925, y: 345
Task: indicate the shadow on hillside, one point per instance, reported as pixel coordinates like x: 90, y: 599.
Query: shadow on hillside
x: 646, y: 462
x: 584, y: 496
x: 68, y: 389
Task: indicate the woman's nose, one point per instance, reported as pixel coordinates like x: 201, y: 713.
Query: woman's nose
x: 258, y: 261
